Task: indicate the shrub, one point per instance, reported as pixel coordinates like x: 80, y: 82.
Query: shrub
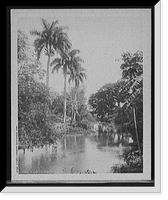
x: 133, y: 163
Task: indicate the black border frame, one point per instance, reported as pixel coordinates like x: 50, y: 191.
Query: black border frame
x: 7, y: 181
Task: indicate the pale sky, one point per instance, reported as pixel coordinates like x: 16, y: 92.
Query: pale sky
x: 101, y: 35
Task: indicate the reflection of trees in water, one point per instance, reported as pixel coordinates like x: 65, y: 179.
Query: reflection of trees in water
x: 113, y: 139
x: 71, y: 142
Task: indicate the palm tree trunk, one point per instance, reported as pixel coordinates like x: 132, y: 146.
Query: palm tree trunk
x: 75, y: 99
x: 47, y: 75
x: 136, y: 131
x: 72, y: 113
x: 65, y: 75
x: 74, y: 116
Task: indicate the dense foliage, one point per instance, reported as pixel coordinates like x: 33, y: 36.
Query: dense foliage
x: 40, y: 110
x: 34, y: 124
x: 105, y: 102
x: 117, y: 102
x: 132, y: 164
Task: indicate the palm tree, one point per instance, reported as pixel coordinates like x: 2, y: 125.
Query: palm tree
x: 62, y: 63
x: 68, y: 63
x: 77, y: 78
x: 77, y: 75
x: 52, y: 38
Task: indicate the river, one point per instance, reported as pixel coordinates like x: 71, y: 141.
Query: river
x: 74, y: 154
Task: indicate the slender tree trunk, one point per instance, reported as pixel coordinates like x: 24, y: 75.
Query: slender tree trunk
x: 47, y: 75
x: 136, y: 131
x: 75, y: 107
x: 72, y: 114
x: 65, y: 76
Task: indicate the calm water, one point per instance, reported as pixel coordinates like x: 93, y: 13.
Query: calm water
x: 74, y: 154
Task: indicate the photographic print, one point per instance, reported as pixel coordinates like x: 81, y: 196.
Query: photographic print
x: 81, y: 95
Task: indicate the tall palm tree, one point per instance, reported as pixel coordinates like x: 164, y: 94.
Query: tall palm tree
x: 69, y: 64
x: 77, y: 75
x: 62, y: 63
x: 77, y: 78
x: 52, y: 38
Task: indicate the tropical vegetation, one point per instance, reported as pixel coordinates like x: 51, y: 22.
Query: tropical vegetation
x: 40, y: 109
x: 122, y: 102
x: 44, y: 115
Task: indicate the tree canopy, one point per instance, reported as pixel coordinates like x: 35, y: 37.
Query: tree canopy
x: 118, y: 101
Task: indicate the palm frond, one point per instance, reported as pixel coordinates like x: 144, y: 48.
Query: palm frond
x: 56, y: 68
x: 73, y: 52
x: 77, y: 75
x: 78, y: 59
x: 46, y: 25
x: 134, y: 91
x: 39, y: 50
x: 39, y: 44
x: 53, y: 24
x: 61, y: 42
x: 35, y: 32
x: 136, y: 84
x: 63, y: 54
x: 60, y: 29
x: 82, y: 69
x: 80, y: 78
x: 56, y: 61
x: 83, y: 75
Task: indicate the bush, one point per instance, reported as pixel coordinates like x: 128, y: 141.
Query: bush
x: 133, y: 163
x: 88, y: 172
x: 34, y: 124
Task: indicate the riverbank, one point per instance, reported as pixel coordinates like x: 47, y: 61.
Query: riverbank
x: 65, y: 129
x: 59, y: 130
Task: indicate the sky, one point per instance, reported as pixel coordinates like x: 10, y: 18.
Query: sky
x: 101, y: 35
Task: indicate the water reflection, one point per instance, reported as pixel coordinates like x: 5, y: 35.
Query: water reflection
x: 74, y: 154
x: 73, y: 142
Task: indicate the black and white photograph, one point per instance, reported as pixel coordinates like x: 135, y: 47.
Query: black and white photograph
x: 81, y: 95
